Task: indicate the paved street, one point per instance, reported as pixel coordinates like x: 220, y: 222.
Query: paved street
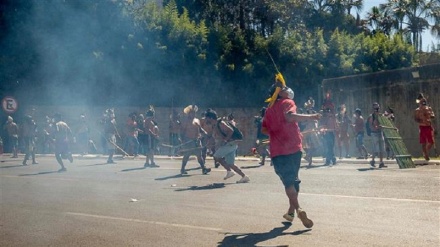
x: 123, y: 204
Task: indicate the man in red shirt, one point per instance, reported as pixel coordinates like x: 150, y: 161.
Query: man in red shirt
x: 281, y: 124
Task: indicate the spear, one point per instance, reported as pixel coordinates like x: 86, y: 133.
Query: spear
x: 278, y: 77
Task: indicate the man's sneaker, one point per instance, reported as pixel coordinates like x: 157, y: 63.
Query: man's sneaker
x: 206, y: 171
x: 303, y: 217
x: 216, y: 165
x: 183, y: 172
x: 110, y: 162
x: 382, y: 165
x: 24, y: 163
x: 62, y: 169
x: 289, y: 217
x: 154, y: 165
x: 229, y: 174
x: 146, y: 165
x: 372, y: 163
x: 244, y: 179
x: 34, y: 162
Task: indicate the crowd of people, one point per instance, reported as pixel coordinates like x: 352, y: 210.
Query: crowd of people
x: 284, y: 133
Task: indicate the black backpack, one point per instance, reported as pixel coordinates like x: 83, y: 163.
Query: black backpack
x: 236, y: 134
x: 367, y: 126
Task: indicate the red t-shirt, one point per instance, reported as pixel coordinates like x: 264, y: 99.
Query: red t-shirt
x: 285, y: 137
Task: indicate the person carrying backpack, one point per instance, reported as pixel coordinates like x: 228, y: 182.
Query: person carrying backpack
x: 226, y: 136
x: 377, y: 136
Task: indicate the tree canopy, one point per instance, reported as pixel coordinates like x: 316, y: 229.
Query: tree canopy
x: 209, y: 52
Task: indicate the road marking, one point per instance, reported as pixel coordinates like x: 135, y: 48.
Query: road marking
x: 144, y: 221
x: 374, y: 198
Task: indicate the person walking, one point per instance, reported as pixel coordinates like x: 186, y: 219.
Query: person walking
x: 281, y: 124
x: 110, y: 132
x: 359, y: 130
x: 343, y: 137
x: 29, y: 131
x: 63, y: 137
x: 261, y: 143
x: 424, y: 115
x: 378, y: 139
x: 328, y: 126
x: 152, y: 131
x: 12, y: 130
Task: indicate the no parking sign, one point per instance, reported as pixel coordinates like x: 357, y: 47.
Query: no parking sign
x: 9, y: 104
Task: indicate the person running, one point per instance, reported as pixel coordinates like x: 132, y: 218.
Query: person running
x: 424, y: 115
x: 63, y: 137
x: 377, y: 136
x: 281, y: 124
x: 226, y: 147
x: 29, y: 131
x: 152, y: 131
x: 191, y: 133
x: 12, y: 130
x: 359, y: 130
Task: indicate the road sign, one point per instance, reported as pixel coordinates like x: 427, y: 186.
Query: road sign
x: 9, y: 104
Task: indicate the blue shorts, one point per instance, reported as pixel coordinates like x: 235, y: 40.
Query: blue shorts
x: 359, y: 139
x: 287, y: 168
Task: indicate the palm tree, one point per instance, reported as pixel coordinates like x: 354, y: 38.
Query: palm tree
x: 413, y: 17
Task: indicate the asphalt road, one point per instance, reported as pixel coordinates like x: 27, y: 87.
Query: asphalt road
x: 123, y: 204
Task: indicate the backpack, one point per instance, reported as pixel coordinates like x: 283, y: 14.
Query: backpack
x: 367, y: 126
x: 236, y: 134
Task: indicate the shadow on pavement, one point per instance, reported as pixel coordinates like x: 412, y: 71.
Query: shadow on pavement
x: 134, y: 169
x: 38, y: 173
x: 1, y: 167
x: 365, y: 169
x: 205, y: 187
x: 249, y: 167
x: 99, y: 164
x: 252, y: 239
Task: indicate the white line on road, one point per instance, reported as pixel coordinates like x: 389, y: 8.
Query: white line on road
x: 374, y: 198
x: 144, y: 221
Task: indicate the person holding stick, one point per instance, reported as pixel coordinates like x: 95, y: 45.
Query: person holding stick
x: 281, y: 124
x: 191, y: 133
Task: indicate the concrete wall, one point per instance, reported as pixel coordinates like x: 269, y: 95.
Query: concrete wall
x: 397, y: 89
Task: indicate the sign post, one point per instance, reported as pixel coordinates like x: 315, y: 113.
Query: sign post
x: 9, y: 104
